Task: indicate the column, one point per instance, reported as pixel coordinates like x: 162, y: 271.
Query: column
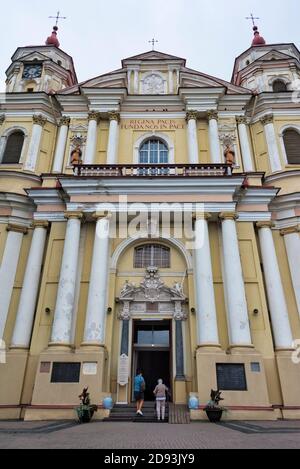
x: 239, y: 328
x: 129, y: 72
x: 179, y: 352
x: 207, y: 326
x: 171, y: 81
x: 278, y: 309
x: 193, y: 148
x: 27, y: 305
x: 63, y: 316
x: 245, y: 144
x: 136, y: 81
x: 292, y: 243
x: 91, y: 141
x: 113, y: 138
x: 8, y: 270
x: 35, y: 143
x: 273, y: 150
x: 61, y: 144
x: 214, y: 143
x: 94, y: 333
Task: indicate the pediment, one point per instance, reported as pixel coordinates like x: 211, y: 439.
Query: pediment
x: 33, y: 56
x: 275, y: 55
x: 153, y: 55
x: 193, y: 79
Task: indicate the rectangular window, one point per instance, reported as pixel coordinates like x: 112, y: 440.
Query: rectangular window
x: 231, y: 377
x: 65, y: 373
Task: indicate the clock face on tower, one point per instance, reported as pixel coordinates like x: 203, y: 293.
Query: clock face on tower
x: 32, y: 71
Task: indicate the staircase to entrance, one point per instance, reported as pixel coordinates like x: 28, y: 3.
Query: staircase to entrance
x: 175, y: 414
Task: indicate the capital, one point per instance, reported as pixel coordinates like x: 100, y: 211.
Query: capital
x: 241, y: 120
x: 17, y: 229
x: 228, y: 216
x: 191, y: 115
x: 114, y: 116
x: 74, y: 215
x: 39, y: 120
x: 268, y: 119
x: 213, y: 115
x: 2, y: 118
x: 101, y: 215
x: 290, y: 230
x: 265, y: 224
x: 94, y: 116
x: 65, y: 120
x: 201, y: 216
x: 40, y: 224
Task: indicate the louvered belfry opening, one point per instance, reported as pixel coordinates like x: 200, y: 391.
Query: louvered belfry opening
x: 13, y: 149
x: 279, y: 86
x: 292, y: 146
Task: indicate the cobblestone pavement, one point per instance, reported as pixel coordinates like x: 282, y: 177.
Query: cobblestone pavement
x: 200, y: 435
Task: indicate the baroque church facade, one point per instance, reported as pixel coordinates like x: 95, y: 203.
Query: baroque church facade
x: 85, y: 302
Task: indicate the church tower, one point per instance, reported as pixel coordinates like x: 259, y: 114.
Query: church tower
x: 267, y: 67
x: 43, y: 68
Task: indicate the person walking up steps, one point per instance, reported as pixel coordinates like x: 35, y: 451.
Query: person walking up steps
x: 161, y: 396
x: 139, y: 392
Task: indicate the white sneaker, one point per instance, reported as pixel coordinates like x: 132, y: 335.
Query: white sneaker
x: 140, y: 413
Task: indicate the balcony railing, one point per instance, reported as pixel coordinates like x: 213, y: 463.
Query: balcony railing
x: 149, y: 171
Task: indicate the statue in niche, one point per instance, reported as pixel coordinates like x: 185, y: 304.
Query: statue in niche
x: 76, y: 156
x: 229, y: 155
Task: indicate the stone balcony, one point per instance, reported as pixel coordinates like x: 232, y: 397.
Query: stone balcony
x: 163, y: 170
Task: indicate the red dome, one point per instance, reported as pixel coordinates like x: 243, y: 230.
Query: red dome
x: 52, y: 40
x: 258, y: 39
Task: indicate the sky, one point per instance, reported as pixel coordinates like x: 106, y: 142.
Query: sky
x: 98, y: 34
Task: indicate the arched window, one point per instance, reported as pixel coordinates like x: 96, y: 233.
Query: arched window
x: 154, y: 255
x: 279, y: 86
x: 13, y: 148
x: 154, y: 151
x: 291, y: 140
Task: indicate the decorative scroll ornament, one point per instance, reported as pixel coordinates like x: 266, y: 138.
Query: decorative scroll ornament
x: 152, y: 290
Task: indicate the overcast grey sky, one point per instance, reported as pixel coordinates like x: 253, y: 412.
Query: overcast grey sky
x: 99, y: 33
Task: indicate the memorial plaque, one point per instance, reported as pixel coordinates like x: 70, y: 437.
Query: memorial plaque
x: 231, y: 377
x: 255, y: 367
x: 65, y: 373
x: 90, y: 368
x: 123, y: 370
x: 45, y: 367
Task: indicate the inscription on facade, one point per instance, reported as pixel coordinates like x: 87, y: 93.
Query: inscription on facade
x: 152, y: 124
x: 123, y: 370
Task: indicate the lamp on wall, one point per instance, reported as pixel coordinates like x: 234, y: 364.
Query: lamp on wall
x: 48, y: 311
x: 109, y: 310
x: 193, y: 311
x: 255, y: 312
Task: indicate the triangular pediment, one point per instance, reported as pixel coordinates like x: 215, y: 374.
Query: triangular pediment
x: 153, y: 55
x: 275, y: 55
x: 34, y: 56
x: 193, y: 79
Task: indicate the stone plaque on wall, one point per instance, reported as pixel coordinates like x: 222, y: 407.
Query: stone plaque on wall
x: 123, y: 370
x: 231, y: 377
x: 89, y: 368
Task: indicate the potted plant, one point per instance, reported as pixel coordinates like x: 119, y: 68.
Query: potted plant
x: 85, y: 411
x: 213, y: 409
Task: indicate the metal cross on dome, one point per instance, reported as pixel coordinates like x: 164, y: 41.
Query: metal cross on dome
x: 57, y: 18
x: 153, y: 41
x: 252, y: 18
